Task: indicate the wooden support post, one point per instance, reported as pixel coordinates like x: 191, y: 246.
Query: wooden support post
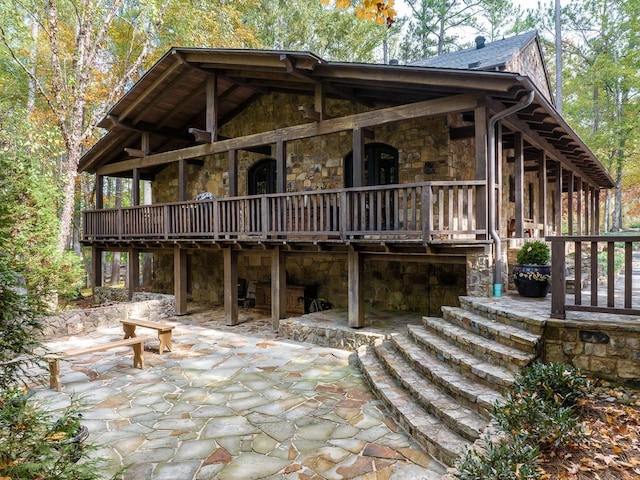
x: 356, y: 289
x: 212, y: 107
x: 96, y: 267
x: 558, y: 293
x: 558, y: 212
x: 135, y: 187
x: 579, y: 206
x: 182, y: 180
x: 542, y: 188
x: 596, y: 210
x: 570, y: 202
x: 519, y: 186
x: 480, y: 116
x: 357, y: 169
x: 133, y: 270
x: 180, y: 280
x: 281, y: 167
x: 319, y: 100
x: 99, y: 192
x: 278, y: 286
x: 230, y: 286
x: 233, y: 173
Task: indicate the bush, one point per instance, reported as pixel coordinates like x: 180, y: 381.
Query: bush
x: 537, y: 415
x: 534, y: 253
x: 506, y: 459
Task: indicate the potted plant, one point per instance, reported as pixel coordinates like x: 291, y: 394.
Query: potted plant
x: 532, y: 272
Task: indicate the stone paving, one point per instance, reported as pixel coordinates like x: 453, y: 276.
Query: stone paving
x: 235, y: 403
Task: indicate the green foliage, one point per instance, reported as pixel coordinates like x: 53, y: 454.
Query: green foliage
x: 554, y: 383
x: 506, y: 459
x: 29, y: 200
x: 534, y: 253
x: 35, y: 446
x: 537, y: 415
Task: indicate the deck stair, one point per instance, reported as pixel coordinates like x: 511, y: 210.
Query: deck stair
x: 442, y: 379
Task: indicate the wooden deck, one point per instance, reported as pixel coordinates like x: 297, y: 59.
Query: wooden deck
x: 425, y: 212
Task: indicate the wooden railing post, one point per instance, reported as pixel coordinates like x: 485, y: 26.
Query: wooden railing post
x: 120, y: 223
x: 167, y: 222
x: 345, y: 214
x: 426, y: 213
x: 558, y: 280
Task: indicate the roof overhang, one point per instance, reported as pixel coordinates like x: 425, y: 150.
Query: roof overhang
x: 171, y: 97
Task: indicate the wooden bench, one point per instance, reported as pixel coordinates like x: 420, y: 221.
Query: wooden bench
x: 54, y: 359
x: 164, y: 331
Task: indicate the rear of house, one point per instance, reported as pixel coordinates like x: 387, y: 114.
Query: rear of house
x: 393, y: 186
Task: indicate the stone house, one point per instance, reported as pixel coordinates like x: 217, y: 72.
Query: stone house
x: 392, y: 186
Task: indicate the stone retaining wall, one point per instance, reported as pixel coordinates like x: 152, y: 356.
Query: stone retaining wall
x: 609, y: 351
x: 149, y: 306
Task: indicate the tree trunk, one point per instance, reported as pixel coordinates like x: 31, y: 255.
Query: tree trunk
x: 115, y: 262
x: 147, y: 258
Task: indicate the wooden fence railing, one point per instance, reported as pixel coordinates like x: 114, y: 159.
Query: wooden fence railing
x: 610, y: 286
x: 427, y: 211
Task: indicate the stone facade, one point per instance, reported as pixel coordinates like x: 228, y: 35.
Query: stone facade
x: 425, y: 154
x: 146, y: 306
x: 604, y: 351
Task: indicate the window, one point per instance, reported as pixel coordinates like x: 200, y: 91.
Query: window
x: 262, y: 177
x: 380, y: 165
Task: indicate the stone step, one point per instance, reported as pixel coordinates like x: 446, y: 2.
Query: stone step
x: 493, y: 376
x: 532, y: 320
x: 459, y: 418
x: 467, y: 391
x: 485, y: 348
x: 507, y: 335
x: 431, y: 433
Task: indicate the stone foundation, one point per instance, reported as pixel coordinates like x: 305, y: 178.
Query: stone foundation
x: 148, y: 306
x: 601, y: 350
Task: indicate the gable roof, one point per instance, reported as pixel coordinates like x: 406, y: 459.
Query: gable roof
x: 493, y: 56
x: 170, y: 99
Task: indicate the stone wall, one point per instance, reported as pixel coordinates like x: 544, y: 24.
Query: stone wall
x: 144, y: 305
x: 605, y: 351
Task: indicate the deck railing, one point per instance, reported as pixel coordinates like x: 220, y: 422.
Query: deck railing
x: 609, y: 260
x: 427, y: 211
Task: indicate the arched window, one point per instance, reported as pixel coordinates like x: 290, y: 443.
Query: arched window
x: 380, y: 165
x: 262, y: 177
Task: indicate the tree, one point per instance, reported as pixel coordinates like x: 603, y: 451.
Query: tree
x: 380, y: 11
x: 601, y: 89
x: 89, y: 51
x: 307, y: 25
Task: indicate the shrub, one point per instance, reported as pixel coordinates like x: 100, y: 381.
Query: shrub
x: 534, y: 253
x: 506, y: 459
x: 553, y: 382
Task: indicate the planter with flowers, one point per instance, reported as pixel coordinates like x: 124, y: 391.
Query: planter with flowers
x: 532, y: 272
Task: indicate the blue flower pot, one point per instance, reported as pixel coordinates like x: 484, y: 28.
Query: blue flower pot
x: 532, y: 280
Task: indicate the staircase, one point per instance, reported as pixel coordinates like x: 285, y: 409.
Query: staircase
x: 441, y: 379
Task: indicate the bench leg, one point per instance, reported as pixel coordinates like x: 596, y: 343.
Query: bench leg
x: 54, y: 374
x: 138, y: 359
x: 165, y: 341
x: 129, y: 331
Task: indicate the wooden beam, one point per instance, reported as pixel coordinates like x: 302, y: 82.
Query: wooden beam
x: 156, y: 83
x: 134, y: 152
x: 356, y: 289
x: 201, y: 136
x: 180, y: 280
x: 579, y: 206
x: 278, y: 286
x: 230, y: 285
x: 372, y: 118
x: 319, y: 100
